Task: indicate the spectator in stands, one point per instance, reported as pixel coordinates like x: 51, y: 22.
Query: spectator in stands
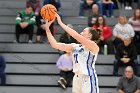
x: 66, y: 38
x: 126, y: 55
x: 129, y: 83
x: 135, y: 22
x: 106, y: 34
x: 127, y: 4
x: 121, y: 29
x: 25, y: 23
x: 108, y: 4
x: 95, y: 13
x: 65, y: 66
x: 2, y: 71
x: 35, y: 4
x: 40, y: 28
x: 85, y: 5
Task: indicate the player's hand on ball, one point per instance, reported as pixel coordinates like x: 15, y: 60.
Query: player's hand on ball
x: 58, y: 19
x: 47, y: 25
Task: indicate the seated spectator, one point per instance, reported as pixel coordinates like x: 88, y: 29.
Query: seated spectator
x: 106, y: 34
x: 126, y: 55
x: 40, y: 28
x: 35, y: 4
x: 25, y: 23
x: 135, y: 22
x: 129, y: 83
x: 2, y: 71
x: 121, y: 29
x: 66, y: 38
x: 95, y: 13
x: 127, y: 4
x: 85, y: 5
x: 108, y: 4
x: 65, y: 66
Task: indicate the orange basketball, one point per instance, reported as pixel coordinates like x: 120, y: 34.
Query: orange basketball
x: 48, y: 12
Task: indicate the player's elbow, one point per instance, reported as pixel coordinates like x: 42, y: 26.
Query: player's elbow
x: 54, y: 45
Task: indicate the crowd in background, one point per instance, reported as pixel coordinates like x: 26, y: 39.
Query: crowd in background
x: 98, y: 10
x: 123, y: 40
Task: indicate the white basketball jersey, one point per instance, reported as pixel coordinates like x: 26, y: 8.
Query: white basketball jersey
x: 83, y: 60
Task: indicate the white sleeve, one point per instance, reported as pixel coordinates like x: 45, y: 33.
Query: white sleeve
x: 115, y: 30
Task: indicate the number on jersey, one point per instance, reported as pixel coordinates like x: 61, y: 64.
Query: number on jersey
x: 76, y: 58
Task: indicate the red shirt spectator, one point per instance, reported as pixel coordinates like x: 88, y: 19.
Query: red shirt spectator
x: 106, y: 31
x: 106, y: 34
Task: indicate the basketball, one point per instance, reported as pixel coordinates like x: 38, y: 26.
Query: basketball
x: 48, y: 12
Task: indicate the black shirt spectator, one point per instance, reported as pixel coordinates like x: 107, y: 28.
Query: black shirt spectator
x: 66, y: 38
x: 126, y: 55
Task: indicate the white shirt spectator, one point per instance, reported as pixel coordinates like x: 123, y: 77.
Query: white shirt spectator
x: 123, y: 30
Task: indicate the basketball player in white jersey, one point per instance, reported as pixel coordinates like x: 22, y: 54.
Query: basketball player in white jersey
x: 84, y: 56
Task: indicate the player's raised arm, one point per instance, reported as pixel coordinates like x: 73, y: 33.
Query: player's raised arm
x: 53, y: 42
x: 84, y: 41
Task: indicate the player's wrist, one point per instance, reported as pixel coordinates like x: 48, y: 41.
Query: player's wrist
x: 47, y: 29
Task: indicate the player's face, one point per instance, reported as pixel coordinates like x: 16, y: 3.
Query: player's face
x: 86, y: 33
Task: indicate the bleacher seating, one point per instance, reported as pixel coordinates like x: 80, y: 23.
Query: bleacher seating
x: 31, y: 67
